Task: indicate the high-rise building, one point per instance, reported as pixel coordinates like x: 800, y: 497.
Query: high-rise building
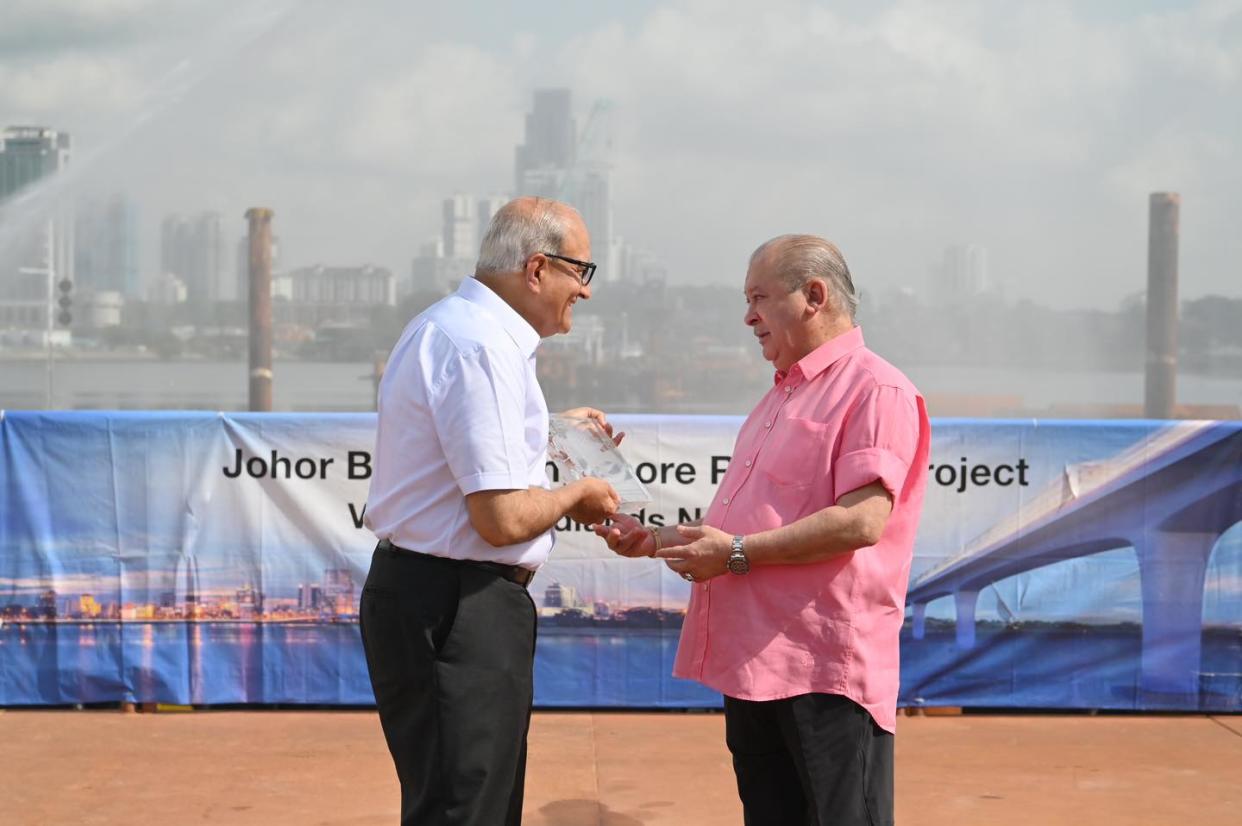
x: 28, y: 154
x: 639, y: 266
x: 249, y: 602
x: 452, y: 256
x: 433, y: 272
x: 590, y: 190
x: 47, y: 604
x: 166, y: 289
x: 488, y: 206
x: 319, y: 295
x: 550, y: 139
x: 26, y: 294
x: 338, y: 590
x: 963, y: 274
x: 460, y: 227
x: 106, y: 247
x: 557, y: 595
x: 209, y: 279
x: 192, y: 249
x: 175, y: 246
x: 558, y: 162
x: 553, y: 596
x: 36, y: 244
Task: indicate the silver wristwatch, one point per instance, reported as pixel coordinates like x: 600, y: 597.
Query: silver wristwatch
x: 738, y: 563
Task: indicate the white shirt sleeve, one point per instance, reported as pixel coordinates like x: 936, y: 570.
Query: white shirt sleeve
x: 478, y: 403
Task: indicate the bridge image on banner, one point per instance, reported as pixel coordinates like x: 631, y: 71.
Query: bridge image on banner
x: 1170, y: 496
x: 212, y: 558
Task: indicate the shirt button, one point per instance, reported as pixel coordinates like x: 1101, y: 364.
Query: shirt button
x: 788, y: 389
x: 767, y: 424
x: 726, y: 500
x: 748, y: 463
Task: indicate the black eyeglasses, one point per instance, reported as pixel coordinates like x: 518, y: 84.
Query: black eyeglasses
x: 584, y: 275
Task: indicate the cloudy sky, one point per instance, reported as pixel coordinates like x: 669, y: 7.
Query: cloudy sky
x: 895, y: 128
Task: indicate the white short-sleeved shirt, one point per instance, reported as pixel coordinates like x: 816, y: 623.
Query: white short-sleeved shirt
x: 460, y: 411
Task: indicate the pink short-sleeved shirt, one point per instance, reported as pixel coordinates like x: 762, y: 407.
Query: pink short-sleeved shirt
x: 839, y: 419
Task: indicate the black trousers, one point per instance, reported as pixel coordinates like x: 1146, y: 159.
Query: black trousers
x: 810, y: 760
x: 450, y: 647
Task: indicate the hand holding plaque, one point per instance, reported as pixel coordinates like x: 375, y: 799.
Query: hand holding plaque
x: 579, y: 447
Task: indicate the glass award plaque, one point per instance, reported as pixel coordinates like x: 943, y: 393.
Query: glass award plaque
x: 580, y: 447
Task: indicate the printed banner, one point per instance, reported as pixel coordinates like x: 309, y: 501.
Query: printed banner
x: 210, y: 558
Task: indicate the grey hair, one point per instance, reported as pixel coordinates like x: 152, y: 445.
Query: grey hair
x: 797, y: 259
x: 521, y: 228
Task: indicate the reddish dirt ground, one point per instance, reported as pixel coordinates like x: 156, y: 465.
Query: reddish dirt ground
x: 605, y: 769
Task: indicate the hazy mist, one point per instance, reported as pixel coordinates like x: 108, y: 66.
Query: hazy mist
x: 898, y: 130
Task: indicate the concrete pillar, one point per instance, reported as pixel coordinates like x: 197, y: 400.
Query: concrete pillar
x: 920, y: 620
x: 1160, y: 393
x: 260, y: 308
x: 1172, y: 568
x: 965, y: 603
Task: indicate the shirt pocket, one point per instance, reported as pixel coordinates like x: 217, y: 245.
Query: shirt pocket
x: 797, y: 460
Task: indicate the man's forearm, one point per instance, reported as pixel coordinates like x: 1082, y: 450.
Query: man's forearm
x: 542, y: 509
x: 857, y: 521
x: 820, y: 536
x: 512, y: 516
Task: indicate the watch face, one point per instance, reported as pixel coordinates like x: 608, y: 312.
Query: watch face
x: 737, y: 562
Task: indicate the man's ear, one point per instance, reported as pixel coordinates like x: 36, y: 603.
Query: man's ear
x: 533, y: 274
x: 816, y: 294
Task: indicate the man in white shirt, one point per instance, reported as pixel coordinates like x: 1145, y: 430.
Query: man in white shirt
x: 460, y: 502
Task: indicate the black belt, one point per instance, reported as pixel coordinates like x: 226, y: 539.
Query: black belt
x: 513, y: 573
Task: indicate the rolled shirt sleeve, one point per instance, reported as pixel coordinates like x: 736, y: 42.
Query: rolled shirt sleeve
x: 478, y: 404
x: 879, y: 442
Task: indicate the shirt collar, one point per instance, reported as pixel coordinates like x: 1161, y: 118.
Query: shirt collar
x: 823, y: 356
x: 518, y: 328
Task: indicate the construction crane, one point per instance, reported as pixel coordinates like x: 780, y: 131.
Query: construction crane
x: 588, y: 154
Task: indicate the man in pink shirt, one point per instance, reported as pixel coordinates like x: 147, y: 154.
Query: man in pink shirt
x: 799, y: 568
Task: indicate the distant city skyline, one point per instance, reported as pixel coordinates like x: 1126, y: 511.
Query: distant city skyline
x: 334, y: 597
x: 343, y: 293
x: 556, y: 160
x: 897, y: 129
x: 38, y: 251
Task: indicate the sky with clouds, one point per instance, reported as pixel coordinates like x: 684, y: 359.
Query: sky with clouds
x: 894, y: 128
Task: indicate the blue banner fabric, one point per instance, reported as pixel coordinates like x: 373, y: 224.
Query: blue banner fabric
x: 209, y: 558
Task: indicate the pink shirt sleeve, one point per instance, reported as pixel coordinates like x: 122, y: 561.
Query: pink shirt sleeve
x: 879, y: 441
